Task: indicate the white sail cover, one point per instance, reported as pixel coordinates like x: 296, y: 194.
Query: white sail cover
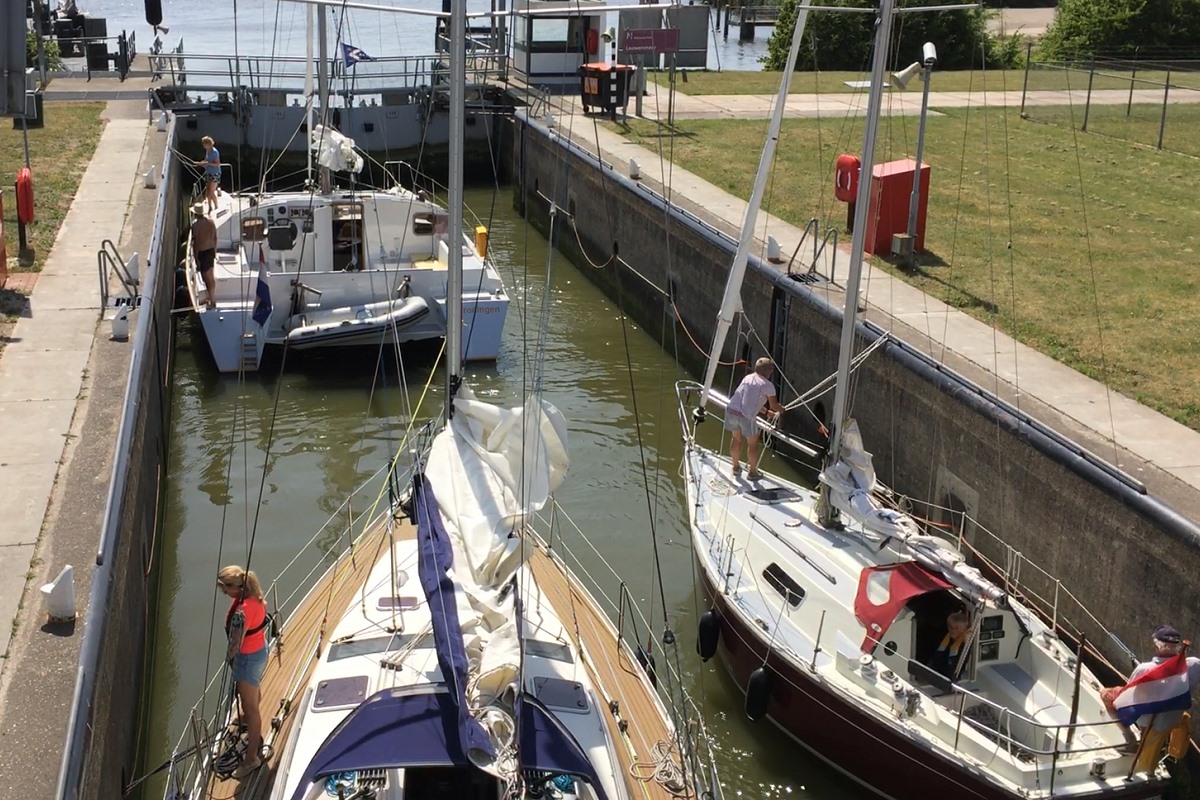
x: 489, y: 469
x: 851, y: 481
x: 335, y: 151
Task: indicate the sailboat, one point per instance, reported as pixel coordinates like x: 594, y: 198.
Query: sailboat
x: 330, y: 267
x: 837, y: 614
x: 450, y: 652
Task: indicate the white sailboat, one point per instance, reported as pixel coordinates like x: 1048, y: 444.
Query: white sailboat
x: 335, y: 267
x: 454, y: 654
x: 828, y: 607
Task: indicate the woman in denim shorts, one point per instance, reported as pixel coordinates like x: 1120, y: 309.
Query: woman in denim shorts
x: 245, y: 625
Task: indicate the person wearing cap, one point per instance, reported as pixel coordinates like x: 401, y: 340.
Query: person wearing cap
x: 204, y: 248
x: 755, y: 390
x: 1168, y: 731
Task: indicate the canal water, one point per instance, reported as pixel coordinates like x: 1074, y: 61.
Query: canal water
x: 258, y: 28
x: 322, y: 428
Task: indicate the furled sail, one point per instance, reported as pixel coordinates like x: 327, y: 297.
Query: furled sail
x: 335, y: 151
x: 852, y: 483
x: 488, y: 470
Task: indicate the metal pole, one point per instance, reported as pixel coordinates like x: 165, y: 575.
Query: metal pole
x: 914, y: 199
x: 1132, y: 81
x: 323, y: 86
x: 41, y: 46
x: 1025, y: 85
x: 454, y: 187
x: 1087, y: 106
x: 1162, y: 123
x: 883, y: 30
x: 641, y: 76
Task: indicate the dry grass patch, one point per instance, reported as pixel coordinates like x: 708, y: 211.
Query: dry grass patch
x: 1102, y: 272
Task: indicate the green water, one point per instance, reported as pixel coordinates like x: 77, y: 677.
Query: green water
x: 323, y: 427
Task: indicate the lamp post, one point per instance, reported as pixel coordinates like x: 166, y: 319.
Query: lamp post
x: 924, y: 68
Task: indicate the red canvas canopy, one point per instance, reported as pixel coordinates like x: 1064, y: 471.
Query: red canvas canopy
x: 883, y: 591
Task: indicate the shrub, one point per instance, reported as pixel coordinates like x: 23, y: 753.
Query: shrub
x: 53, y: 56
x: 843, y: 41
x: 1119, y: 28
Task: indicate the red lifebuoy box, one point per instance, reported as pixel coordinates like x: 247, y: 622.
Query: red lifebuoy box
x: 592, y: 41
x: 25, y: 196
x: 845, y: 177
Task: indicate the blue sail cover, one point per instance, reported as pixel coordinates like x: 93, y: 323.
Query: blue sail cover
x: 435, y: 558
x: 391, y: 729
x: 543, y: 744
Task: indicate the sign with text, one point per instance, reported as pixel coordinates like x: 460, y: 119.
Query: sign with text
x: 650, y: 41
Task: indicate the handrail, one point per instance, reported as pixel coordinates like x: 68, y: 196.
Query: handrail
x: 812, y: 226
x: 108, y: 261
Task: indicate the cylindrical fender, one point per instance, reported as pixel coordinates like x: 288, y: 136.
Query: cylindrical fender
x: 25, y: 196
x: 646, y: 660
x: 708, y: 635
x: 758, y: 692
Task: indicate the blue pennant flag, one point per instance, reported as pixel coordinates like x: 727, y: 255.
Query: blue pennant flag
x: 351, y: 55
x: 262, y: 294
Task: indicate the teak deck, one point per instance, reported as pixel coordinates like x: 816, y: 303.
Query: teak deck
x: 613, y: 671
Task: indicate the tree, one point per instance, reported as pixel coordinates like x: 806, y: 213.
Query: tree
x: 843, y: 41
x: 54, y: 60
x: 1121, y: 28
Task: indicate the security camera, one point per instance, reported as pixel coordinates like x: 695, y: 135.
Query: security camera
x: 929, y: 54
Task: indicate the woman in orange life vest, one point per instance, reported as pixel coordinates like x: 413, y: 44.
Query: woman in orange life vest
x: 245, y: 625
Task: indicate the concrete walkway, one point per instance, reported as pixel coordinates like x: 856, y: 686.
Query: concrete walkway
x: 841, y: 104
x: 1152, y: 448
x: 61, y: 385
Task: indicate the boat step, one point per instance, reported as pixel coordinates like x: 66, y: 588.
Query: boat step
x: 249, y: 352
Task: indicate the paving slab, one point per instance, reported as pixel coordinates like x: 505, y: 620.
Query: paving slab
x: 24, y: 493
x: 34, y: 431
x: 46, y: 328
x: 28, y: 375
x: 75, y: 292
x: 14, y: 563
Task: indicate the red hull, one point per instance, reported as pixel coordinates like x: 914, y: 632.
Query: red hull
x: 852, y: 741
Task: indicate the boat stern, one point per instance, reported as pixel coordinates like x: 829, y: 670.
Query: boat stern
x: 483, y: 318
x: 236, y: 340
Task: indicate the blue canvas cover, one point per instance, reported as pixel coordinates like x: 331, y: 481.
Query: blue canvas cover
x: 544, y: 744
x: 435, y: 558
x: 391, y: 729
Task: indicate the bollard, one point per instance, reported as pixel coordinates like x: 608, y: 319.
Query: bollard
x: 120, y: 324
x: 3, y: 245
x: 60, y: 596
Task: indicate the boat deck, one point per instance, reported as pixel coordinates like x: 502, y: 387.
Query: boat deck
x: 615, y: 674
x: 611, y: 666
x: 287, y: 673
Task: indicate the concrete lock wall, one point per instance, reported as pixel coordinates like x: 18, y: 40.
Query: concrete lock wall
x: 103, y: 726
x: 935, y: 437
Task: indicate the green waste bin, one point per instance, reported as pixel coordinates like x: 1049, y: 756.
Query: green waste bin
x: 605, y: 86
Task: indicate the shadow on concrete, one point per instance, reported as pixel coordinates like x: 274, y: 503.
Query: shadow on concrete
x: 61, y: 629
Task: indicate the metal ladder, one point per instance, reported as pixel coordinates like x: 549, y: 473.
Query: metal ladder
x: 110, y: 260
x: 249, y: 352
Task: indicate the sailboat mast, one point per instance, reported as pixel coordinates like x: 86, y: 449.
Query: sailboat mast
x: 323, y: 87
x: 731, y: 303
x: 308, y: 91
x: 458, y: 90
x: 883, y: 30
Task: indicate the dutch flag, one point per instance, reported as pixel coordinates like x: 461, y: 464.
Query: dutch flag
x: 1161, y: 688
x: 262, y: 295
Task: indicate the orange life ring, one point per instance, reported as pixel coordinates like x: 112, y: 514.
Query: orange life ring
x: 25, y: 196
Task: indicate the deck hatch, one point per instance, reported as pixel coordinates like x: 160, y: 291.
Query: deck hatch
x: 560, y: 694
x: 340, y: 692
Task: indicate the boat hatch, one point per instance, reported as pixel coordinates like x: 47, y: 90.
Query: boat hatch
x: 772, y: 494
x: 552, y: 650
x: 340, y: 693
x: 883, y: 591
x: 374, y: 644
x: 349, y: 244
x: 783, y: 583
x: 561, y: 695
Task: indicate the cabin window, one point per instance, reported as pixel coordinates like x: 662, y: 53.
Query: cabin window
x: 375, y: 644
x: 558, y: 652
x: 781, y: 582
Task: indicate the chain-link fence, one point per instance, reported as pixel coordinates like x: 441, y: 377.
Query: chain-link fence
x: 1154, y: 103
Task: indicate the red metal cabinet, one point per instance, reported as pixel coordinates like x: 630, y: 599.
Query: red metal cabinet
x: 891, y: 187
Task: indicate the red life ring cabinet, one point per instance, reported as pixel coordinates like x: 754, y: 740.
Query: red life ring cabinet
x: 592, y: 41
x: 845, y: 177
x: 25, y: 196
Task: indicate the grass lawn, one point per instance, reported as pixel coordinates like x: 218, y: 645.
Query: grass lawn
x: 1102, y: 273
x: 1041, y: 78
x: 59, y: 153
